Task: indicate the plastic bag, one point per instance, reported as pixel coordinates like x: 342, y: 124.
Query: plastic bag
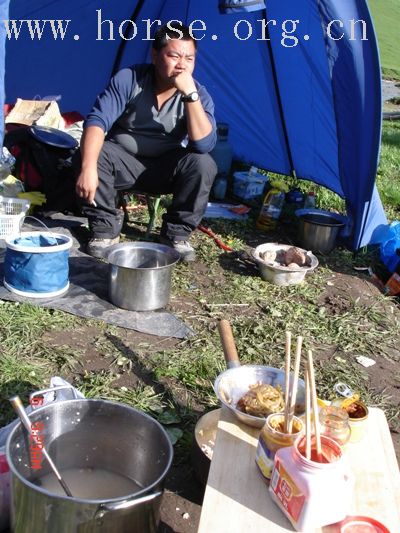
x: 7, y: 161
x: 59, y: 391
x: 390, y: 247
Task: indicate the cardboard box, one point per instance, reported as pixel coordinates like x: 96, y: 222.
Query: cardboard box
x: 35, y: 112
x: 392, y: 286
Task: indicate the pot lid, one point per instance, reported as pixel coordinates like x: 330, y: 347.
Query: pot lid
x: 53, y: 137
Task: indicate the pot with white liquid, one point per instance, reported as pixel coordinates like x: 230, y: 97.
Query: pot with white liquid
x: 113, y: 458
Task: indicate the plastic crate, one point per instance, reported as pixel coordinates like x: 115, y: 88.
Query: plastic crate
x: 247, y: 187
x: 12, y: 211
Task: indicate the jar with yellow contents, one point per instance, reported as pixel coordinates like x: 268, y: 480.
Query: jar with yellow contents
x: 273, y: 437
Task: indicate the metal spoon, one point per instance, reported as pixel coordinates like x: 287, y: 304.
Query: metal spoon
x: 20, y: 410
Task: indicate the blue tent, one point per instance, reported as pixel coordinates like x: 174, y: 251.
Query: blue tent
x: 297, y: 81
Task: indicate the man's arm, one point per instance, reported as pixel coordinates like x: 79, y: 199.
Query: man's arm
x: 198, y: 123
x: 91, y: 144
x: 107, y: 108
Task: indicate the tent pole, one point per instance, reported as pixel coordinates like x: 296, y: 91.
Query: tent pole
x: 127, y: 31
x: 278, y: 96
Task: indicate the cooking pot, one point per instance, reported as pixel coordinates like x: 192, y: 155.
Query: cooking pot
x: 90, y: 434
x: 318, y: 229
x: 140, y: 275
x: 235, y: 382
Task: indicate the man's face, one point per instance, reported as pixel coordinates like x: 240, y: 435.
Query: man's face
x: 176, y: 57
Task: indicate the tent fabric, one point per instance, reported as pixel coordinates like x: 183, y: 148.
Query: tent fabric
x: 301, y: 93
x: 3, y: 16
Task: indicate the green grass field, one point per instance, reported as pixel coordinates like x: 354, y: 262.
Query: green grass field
x: 386, y: 17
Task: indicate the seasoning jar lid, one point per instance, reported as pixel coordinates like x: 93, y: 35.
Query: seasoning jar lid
x: 352, y: 524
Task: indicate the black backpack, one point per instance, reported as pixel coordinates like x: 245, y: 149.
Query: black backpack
x: 45, y: 163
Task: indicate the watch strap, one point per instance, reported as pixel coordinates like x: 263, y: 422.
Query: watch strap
x: 189, y: 97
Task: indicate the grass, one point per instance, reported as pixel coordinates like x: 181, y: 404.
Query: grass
x: 388, y: 178
x: 386, y: 17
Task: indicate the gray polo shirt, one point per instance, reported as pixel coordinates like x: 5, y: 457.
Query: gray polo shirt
x: 127, y: 110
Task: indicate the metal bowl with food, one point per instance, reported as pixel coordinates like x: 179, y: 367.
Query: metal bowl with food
x: 233, y: 384
x: 250, y: 389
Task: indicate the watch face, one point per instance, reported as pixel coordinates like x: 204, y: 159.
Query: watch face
x: 192, y: 97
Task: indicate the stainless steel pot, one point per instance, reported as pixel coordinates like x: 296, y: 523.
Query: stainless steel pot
x: 96, y: 434
x: 318, y: 230
x: 140, y: 275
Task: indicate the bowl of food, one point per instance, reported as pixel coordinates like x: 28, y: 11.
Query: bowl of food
x: 283, y: 264
x: 253, y: 392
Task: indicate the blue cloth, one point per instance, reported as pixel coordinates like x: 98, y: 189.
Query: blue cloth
x: 37, y: 241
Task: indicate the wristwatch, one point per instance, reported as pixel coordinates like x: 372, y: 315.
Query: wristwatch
x: 191, y: 97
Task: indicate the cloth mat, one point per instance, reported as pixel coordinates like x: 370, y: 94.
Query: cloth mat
x: 88, y: 296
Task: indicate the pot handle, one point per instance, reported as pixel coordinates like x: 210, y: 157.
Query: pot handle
x: 53, y: 389
x: 228, y: 344
x: 108, y: 507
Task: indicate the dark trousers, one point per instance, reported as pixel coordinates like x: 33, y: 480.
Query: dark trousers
x: 187, y: 175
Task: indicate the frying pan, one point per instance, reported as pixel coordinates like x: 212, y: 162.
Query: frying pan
x: 232, y: 384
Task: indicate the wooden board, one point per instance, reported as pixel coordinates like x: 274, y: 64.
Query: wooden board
x: 237, y: 499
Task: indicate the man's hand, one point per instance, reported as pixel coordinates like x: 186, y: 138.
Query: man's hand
x: 88, y: 180
x: 86, y: 185
x: 184, y: 83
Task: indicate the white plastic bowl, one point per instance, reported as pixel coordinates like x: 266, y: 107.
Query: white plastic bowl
x: 281, y: 275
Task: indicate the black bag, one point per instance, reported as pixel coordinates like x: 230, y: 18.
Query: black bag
x: 44, y: 162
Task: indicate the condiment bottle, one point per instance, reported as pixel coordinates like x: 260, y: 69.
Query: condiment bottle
x: 335, y: 424
x: 312, y: 494
x: 272, y: 437
x: 310, y: 200
x: 272, y: 206
x: 358, y: 416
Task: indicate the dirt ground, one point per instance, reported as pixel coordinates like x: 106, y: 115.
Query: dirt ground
x: 181, y: 506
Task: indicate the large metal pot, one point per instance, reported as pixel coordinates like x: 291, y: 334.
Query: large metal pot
x: 84, y: 434
x: 140, y: 275
x: 318, y: 230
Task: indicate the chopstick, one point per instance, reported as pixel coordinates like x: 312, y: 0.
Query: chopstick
x: 293, y: 393
x: 314, y: 402
x: 287, y: 380
x: 308, y: 415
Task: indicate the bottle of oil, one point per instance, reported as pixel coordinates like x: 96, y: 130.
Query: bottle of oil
x: 272, y: 206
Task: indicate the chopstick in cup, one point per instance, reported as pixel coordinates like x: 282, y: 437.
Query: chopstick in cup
x: 314, y: 402
x: 293, y: 392
x: 308, y: 415
x: 287, y: 379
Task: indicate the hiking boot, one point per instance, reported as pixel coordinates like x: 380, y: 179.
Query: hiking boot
x: 182, y: 246
x: 97, y: 247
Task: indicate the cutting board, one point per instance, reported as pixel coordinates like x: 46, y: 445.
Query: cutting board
x: 237, y: 499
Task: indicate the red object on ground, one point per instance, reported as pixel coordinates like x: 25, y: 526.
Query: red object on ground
x: 217, y: 240
x: 3, y: 464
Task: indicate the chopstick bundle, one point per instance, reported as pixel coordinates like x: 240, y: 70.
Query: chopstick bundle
x: 293, y: 392
x: 313, y: 391
x: 287, y: 379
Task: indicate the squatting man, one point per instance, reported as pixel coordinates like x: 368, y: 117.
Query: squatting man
x: 150, y: 130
